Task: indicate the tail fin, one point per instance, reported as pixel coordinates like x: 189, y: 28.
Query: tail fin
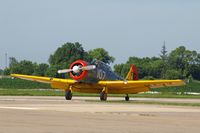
x: 133, y: 73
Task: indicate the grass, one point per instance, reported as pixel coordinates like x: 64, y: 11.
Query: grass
x: 30, y: 92
x: 8, y: 83
x: 53, y: 92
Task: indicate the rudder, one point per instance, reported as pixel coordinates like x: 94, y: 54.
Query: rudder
x: 133, y: 73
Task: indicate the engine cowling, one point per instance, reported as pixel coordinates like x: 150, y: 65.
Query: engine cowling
x: 76, y: 73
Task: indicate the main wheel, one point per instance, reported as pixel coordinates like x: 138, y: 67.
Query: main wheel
x: 127, y: 98
x: 68, y: 95
x: 103, y: 96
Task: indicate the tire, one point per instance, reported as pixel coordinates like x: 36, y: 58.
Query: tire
x: 68, y: 95
x: 103, y: 96
x: 127, y: 98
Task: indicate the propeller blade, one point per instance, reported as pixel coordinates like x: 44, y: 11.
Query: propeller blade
x: 64, y: 71
x: 90, y: 67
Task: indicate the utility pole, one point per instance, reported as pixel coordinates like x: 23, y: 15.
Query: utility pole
x: 6, y: 60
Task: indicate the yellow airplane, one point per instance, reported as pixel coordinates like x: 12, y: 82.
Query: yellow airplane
x: 97, y: 77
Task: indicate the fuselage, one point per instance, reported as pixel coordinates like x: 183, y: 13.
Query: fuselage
x: 102, y: 72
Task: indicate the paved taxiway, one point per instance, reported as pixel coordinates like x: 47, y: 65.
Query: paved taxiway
x: 53, y: 114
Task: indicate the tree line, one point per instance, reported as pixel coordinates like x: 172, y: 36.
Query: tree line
x: 180, y: 63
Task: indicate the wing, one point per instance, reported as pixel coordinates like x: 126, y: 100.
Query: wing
x: 115, y: 87
x: 138, y: 85
x: 55, y: 82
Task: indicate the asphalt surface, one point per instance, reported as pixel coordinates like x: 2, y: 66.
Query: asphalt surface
x: 19, y: 114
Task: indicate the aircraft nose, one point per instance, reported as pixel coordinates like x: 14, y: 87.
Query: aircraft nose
x: 75, y: 69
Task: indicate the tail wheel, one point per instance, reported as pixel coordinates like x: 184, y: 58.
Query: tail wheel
x: 68, y: 95
x: 103, y: 96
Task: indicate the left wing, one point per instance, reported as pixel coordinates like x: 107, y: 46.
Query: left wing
x: 135, y: 86
x: 55, y: 82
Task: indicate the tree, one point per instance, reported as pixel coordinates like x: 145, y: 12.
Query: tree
x: 22, y: 67
x: 183, y: 60
x: 1, y: 72
x: 65, y: 55
x: 163, y: 54
x: 173, y: 74
x: 41, y: 69
x: 118, y: 69
x: 26, y: 67
x: 69, y: 52
x: 13, y: 62
x: 163, y: 62
x: 102, y: 55
x: 122, y: 69
x: 51, y: 72
x: 14, y: 65
x: 6, y: 71
x: 147, y: 66
x: 156, y: 68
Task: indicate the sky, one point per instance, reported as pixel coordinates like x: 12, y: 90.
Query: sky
x: 34, y: 29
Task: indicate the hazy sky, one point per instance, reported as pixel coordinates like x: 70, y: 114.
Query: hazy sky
x: 33, y: 29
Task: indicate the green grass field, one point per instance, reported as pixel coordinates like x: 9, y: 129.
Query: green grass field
x: 8, y: 83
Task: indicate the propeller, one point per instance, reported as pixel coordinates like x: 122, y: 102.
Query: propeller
x: 90, y: 67
x: 77, y: 68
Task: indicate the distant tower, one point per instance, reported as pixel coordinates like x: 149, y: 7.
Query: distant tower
x: 6, y: 60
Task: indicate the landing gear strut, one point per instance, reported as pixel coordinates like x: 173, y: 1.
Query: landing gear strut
x: 103, y: 96
x: 68, y: 95
x: 127, y: 97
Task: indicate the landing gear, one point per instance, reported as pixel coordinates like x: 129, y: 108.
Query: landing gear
x: 127, y: 97
x: 103, y: 96
x: 68, y: 95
